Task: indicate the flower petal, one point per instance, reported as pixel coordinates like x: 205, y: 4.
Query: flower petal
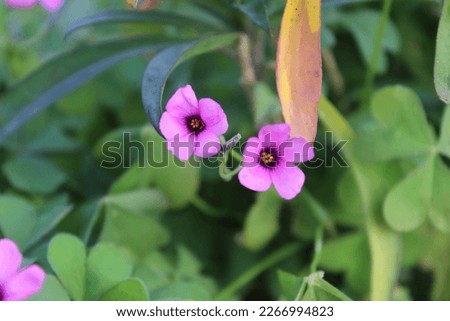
x: 20, y: 4
x: 288, y: 180
x: 255, y: 177
x: 274, y: 135
x: 207, y: 144
x: 183, y: 103
x: 296, y: 150
x: 182, y: 146
x: 10, y: 259
x: 213, y: 116
x: 26, y: 283
x: 171, y: 126
x: 52, y: 5
x: 252, y: 151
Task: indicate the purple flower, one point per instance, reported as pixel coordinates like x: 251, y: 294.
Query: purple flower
x: 271, y: 157
x: 192, y: 126
x: 49, y: 5
x: 17, y: 284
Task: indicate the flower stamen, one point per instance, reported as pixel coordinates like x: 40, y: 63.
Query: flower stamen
x: 195, y: 124
x: 268, y: 158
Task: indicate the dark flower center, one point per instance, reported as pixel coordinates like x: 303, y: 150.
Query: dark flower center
x: 195, y: 124
x: 268, y: 157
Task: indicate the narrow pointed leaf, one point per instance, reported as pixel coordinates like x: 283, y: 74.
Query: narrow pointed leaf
x: 64, y: 73
x: 442, y: 60
x: 330, y: 3
x: 256, y: 10
x: 444, y: 138
x: 127, y: 16
x: 299, y: 66
x: 160, y: 67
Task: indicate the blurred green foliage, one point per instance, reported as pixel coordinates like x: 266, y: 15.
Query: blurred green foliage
x: 106, y: 231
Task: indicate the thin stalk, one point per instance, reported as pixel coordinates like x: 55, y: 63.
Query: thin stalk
x: 206, y: 208
x: 319, y: 211
x: 256, y: 270
x: 93, y: 220
x: 385, y: 245
x: 376, y: 53
x: 318, y: 245
x: 236, y: 155
x: 302, y: 290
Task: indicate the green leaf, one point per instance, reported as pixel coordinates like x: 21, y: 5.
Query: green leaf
x: 129, y: 290
x: 422, y: 193
x: 317, y: 289
x: 442, y: 61
x: 67, y: 257
x: 51, y: 291
x: 48, y: 218
x: 256, y: 10
x: 439, y: 204
x: 327, y: 38
x: 330, y: 3
x: 414, y: 245
x: 267, y: 105
x: 437, y: 256
x: 309, y: 215
x: 133, y: 178
x: 188, y: 265
x: 106, y: 266
x: 127, y: 16
x: 139, y: 201
x: 170, y: 171
x: 384, y: 243
x: 53, y: 139
x: 161, y: 66
x: 338, y: 256
x: 351, y: 211
x: 17, y: 219
x: 404, y: 207
x: 261, y: 222
x: 290, y: 284
x: 187, y: 290
x: 33, y: 175
x: 139, y: 233
x: 444, y: 139
x: 155, y: 270
x: 401, y: 129
x: 333, y: 120
x: 64, y: 73
x: 361, y: 24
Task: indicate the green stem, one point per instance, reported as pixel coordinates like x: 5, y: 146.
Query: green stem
x: 224, y: 172
x: 256, y: 270
x: 206, y: 208
x: 318, y: 245
x: 319, y: 211
x: 385, y: 245
x: 302, y: 290
x: 236, y: 155
x: 93, y: 220
x: 376, y: 53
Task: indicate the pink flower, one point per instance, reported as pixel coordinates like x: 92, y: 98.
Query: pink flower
x: 49, y: 5
x: 17, y: 284
x: 192, y: 126
x: 271, y: 157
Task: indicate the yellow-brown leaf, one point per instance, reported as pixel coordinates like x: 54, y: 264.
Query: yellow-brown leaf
x: 299, y: 66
